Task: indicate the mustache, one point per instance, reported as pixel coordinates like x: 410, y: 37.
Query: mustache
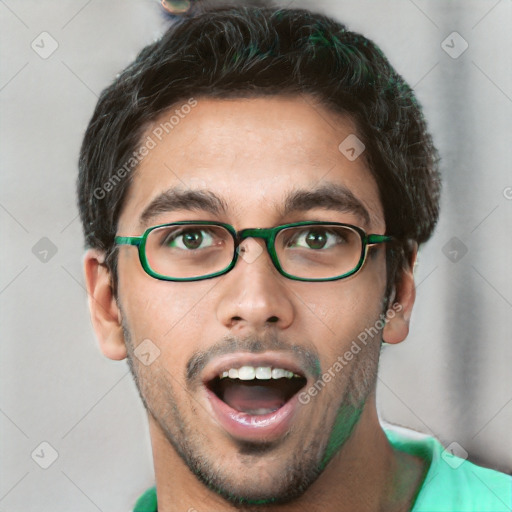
x: 308, y: 358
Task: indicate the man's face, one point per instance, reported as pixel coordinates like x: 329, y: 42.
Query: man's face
x: 252, y: 154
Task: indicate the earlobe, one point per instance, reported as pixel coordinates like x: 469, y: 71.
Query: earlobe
x: 105, y: 313
x: 400, y: 309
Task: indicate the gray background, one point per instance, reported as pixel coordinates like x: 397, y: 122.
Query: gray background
x: 451, y: 377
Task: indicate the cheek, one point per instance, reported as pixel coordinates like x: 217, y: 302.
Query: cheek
x: 170, y: 315
x: 153, y: 307
x: 153, y: 323
x: 356, y: 298
x: 336, y: 314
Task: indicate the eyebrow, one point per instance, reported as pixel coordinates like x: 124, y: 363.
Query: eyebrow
x: 330, y: 196
x: 177, y: 199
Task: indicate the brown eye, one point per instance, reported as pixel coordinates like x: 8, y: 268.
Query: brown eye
x: 187, y: 239
x: 315, y: 238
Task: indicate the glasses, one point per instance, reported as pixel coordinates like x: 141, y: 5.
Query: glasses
x: 303, y: 251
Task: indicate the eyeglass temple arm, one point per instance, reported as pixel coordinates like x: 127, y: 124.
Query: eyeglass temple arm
x: 379, y: 239
x: 128, y: 240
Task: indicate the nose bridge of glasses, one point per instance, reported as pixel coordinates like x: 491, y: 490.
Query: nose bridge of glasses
x: 262, y: 233
x: 254, y: 234
x: 253, y: 249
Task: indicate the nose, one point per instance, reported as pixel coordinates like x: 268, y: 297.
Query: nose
x: 254, y: 294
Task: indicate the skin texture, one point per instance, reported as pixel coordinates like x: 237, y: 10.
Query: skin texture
x: 251, y: 152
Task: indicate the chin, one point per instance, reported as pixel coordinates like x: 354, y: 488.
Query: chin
x: 266, y: 485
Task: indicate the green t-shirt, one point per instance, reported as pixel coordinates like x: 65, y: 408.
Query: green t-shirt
x: 451, y: 484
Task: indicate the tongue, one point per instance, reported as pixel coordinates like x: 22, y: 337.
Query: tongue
x: 252, y: 397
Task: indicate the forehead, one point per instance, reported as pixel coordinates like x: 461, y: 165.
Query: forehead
x: 252, y: 154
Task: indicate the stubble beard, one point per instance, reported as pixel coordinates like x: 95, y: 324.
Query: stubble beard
x: 252, y: 492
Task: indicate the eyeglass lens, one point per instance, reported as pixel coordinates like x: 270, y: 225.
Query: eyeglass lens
x: 311, y: 252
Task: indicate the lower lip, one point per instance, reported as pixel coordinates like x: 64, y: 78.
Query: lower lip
x: 249, y: 427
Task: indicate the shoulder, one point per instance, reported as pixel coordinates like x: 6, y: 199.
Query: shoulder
x: 452, y: 482
x: 147, y: 502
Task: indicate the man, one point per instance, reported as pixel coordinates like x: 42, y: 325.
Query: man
x: 253, y: 191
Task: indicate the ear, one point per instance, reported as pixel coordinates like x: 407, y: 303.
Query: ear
x: 105, y: 313
x: 401, y: 303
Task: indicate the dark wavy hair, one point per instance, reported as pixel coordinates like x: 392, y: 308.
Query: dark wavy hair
x: 228, y: 52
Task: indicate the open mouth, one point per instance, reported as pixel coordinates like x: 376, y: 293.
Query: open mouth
x: 256, y: 390
x: 254, y: 397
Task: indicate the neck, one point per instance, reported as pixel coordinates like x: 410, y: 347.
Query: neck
x: 367, y: 475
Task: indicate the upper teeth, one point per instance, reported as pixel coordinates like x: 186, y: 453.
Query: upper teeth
x: 257, y: 372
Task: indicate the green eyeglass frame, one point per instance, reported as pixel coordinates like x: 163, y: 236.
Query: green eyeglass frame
x: 268, y: 234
